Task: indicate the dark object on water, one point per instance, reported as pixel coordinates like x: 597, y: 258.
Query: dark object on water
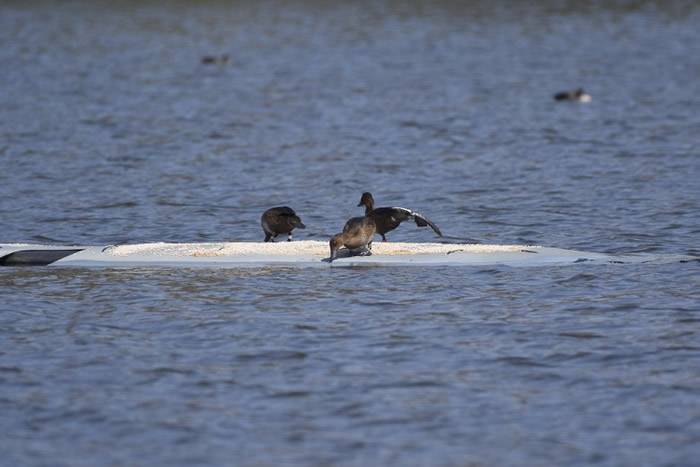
x: 356, y: 237
x: 387, y: 219
x: 578, y: 95
x: 35, y: 257
x: 215, y: 59
x: 280, y: 220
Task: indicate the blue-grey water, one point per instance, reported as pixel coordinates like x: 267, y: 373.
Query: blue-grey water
x: 112, y: 130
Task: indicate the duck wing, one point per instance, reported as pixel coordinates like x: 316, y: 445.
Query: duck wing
x: 284, y: 211
x: 422, y: 221
x: 387, y: 219
x: 402, y: 214
x: 283, y: 215
x: 292, y: 219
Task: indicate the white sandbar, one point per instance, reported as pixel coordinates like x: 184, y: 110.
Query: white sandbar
x: 297, y: 248
x: 312, y: 253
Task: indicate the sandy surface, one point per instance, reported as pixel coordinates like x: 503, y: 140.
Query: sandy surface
x: 297, y: 248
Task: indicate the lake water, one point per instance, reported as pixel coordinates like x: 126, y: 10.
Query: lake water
x: 113, y: 131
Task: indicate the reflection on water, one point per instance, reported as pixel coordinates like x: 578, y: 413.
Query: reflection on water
x: 114, y: 131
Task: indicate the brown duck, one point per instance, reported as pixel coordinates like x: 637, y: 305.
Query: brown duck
x: 280, y: 220
x: 387, y: 219
x: 356, y: 237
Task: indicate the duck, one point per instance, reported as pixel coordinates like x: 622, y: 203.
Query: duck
x: 280, y: 220
x: 214, y: 59
x: 356, y: 236
x: 387, y: 219
x: 578, y: 95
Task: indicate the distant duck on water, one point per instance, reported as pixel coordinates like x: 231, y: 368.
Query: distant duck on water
x: 215, y: 59
x: 387, y: 219
x: 356, y: 236
x: 579, y: 95
x: 280, y: 220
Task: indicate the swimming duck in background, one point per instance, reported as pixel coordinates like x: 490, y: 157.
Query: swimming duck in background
x: 578, y: 95
x: 214, y: 59
x: 280, y: 220
x: 356, y: 237
x: 387, y: 219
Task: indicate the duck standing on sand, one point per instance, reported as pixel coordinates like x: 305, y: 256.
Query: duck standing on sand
x: 356, y: 237
x: 280, y: 220
x: 387, y: 219
x: 578, y: 95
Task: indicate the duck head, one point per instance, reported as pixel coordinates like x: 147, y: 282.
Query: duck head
x: 366, y: 200
x: 335, y: 244
x: 297, y: 223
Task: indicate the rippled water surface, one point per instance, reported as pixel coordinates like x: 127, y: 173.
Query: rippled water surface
x: 113, y: 131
